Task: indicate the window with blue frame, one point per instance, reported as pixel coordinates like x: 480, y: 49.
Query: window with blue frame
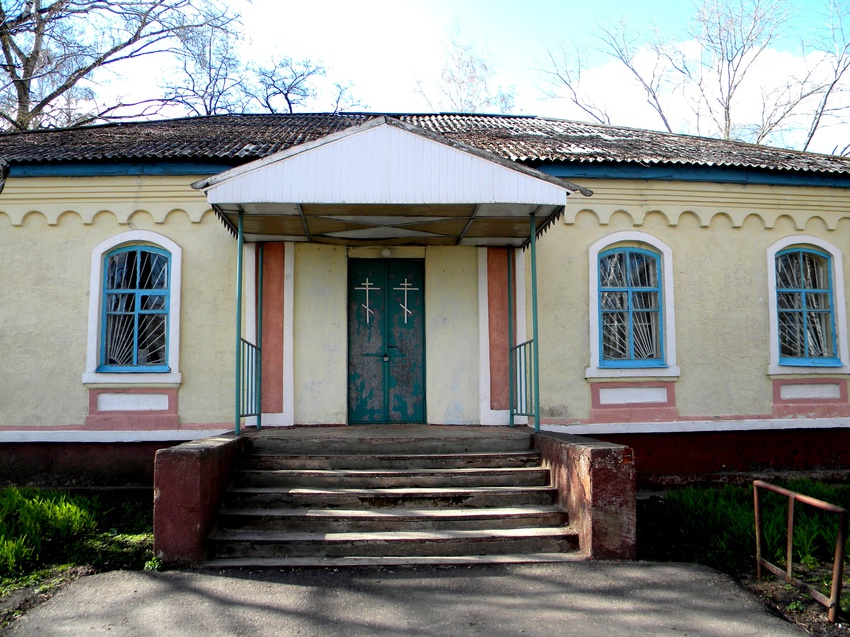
x: 804, y: 307
x: 630, y: 308
x: 134, y: 328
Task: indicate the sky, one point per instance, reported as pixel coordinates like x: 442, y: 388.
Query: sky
x: 384, y: 48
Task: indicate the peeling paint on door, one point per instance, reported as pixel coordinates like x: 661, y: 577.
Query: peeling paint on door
x: 386, y: 341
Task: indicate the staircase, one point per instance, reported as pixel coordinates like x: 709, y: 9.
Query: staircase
x: 391, y: 495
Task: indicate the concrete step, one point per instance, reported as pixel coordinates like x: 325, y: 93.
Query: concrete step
x: 275, y: 544
x: 410, y: 560
x: 390, y: 461
x: 418, y: 498
x: 400, y: 495
x: 397, y: 519
x: 390, y: 478
x: 370, y: 444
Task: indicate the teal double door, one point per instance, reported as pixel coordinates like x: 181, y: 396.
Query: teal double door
x: 386, y: 341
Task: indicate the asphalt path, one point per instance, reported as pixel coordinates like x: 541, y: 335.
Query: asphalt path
x: 591, y: 599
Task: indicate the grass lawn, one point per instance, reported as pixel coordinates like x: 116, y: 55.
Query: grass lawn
x: 48, y: 538
x: 715, y: 526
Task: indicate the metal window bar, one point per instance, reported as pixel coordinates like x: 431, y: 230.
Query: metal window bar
x: 249, y: 380
x: 833, y: 602
x: 522, y: 379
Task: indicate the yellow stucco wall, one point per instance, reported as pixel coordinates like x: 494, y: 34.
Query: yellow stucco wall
x: 48, y: 228
x: 451, y: 335
x: 321, y: 336
x: 719, y: 236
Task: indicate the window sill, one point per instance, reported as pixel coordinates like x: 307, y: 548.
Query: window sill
x: 785, y: 370
x: 135, y: 379
x: 632, y: 372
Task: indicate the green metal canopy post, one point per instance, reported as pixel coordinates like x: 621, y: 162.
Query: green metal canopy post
x: 240, y: 241
x: 259, y: 369
x: 534, y: 335
x: 511, y: 339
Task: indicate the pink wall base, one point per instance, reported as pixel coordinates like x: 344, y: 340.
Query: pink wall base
x: 189, y: 480
x: 665, y: 411
x: 132, y: 420
x: 836, y: 407
x: 596, y: 486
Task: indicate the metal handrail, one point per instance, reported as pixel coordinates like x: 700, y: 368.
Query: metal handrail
x: 522, y: 377
x: 833, y: 602
x: 249, y: 376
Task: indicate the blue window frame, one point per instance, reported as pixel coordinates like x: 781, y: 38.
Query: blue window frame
x: 804, y: 308
x: 630, y: 309
x: 134, y: 327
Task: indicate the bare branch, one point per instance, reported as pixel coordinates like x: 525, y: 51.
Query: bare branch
x: 465, y: 81
x: 344, y: 100
x: 212, y: 80
x: 836, y: 50
x: 51, y: 47
x: 732, y: 36
x: 621, y: 46
x: 286, y: 84
x: 564, y: 75
x: 720, y: 72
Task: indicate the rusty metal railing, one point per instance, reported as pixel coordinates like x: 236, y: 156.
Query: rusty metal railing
x: 833, y: 602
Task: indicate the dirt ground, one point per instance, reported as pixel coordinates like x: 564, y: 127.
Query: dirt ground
x: 795, y: 606
x: 20, y: 601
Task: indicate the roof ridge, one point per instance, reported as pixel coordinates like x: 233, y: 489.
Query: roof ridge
x: 713, y: 140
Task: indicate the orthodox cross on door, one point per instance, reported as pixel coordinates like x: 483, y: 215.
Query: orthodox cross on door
x: 407, y: 286
x: 368, y: 286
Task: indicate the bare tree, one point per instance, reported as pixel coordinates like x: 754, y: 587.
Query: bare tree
x: 285, y: 84
x: 836, y: 50
x: 51, y: 48
x: 465, y: 82
x: 717, y: 70
x: 732, y: 37
x: 212, y: 79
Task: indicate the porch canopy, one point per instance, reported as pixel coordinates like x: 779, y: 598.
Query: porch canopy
x: 387, y: 183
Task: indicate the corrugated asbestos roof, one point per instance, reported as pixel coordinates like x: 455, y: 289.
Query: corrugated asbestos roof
x: 236, y: 139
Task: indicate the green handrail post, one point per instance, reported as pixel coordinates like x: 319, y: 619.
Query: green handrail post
x: 510, y: 336
x: 240, y: 241
x: 259, y: 370
x: 536, y: 345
